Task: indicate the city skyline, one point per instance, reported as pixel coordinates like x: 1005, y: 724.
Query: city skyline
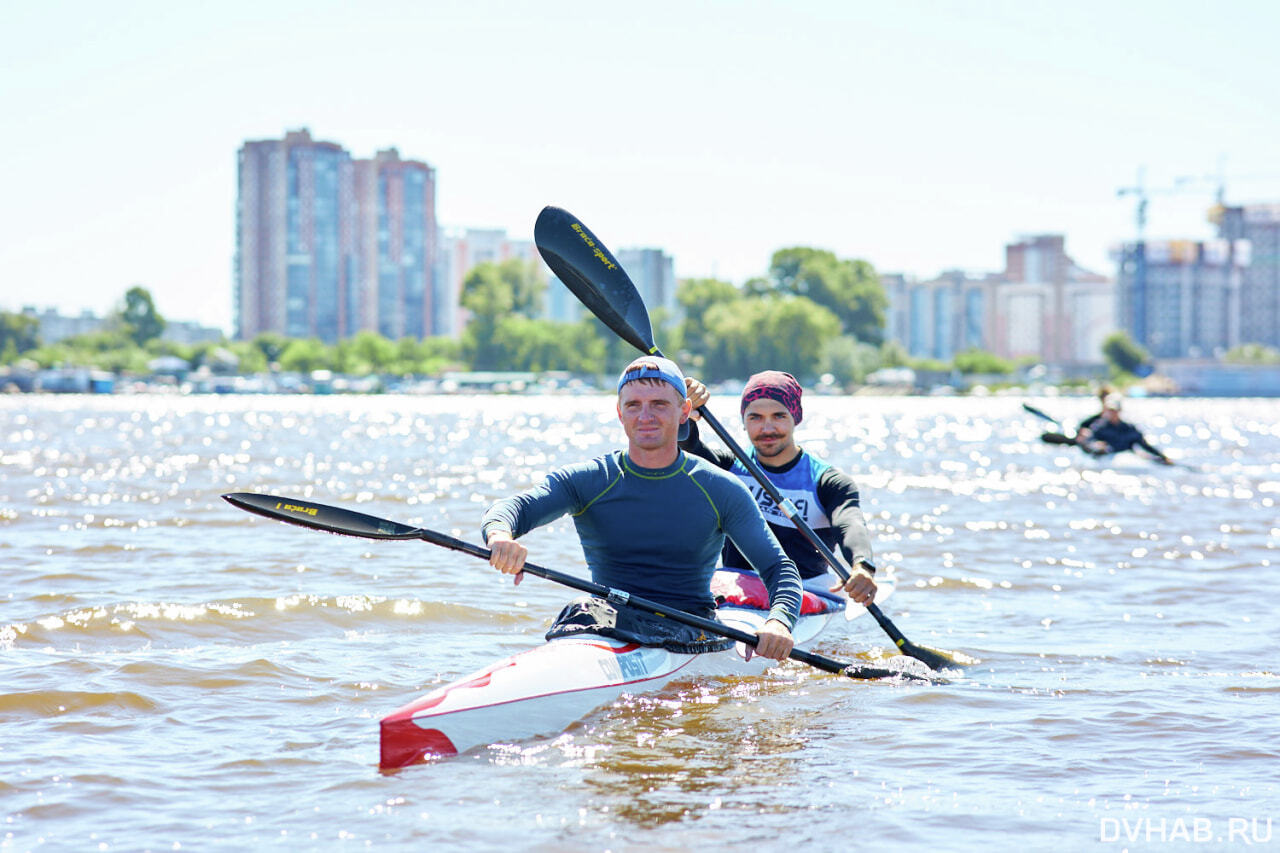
x: 921, y: 138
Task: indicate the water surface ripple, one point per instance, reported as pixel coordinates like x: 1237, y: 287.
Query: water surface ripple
x: 177, y: 674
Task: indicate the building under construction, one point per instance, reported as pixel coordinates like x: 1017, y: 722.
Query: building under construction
x: 1259, y: 304
x: 1182, y: 298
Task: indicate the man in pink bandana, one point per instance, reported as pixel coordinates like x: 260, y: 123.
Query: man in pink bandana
x: 826, y: 497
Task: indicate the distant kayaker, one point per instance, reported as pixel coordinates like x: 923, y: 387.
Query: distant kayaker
x: 1107, y: 433
x: 652, y: 521
x: 1104, y: 391
x: 826, y: 497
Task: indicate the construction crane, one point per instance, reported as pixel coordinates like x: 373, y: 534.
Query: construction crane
x: 1186, y: 183
x: 1135, y: 259
x: 1219, y: 182
x: 1140, y: 189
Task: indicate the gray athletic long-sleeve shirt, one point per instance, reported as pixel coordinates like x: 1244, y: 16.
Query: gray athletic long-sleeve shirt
x: 656, y: 532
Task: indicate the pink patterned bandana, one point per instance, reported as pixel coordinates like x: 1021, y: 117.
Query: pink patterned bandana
x: 774, y: 385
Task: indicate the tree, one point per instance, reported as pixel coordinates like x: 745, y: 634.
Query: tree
x: 538, y: 345
x: 489, y: 299
x: 696, y: 297
x: 251, y: 357
x: 367, y: 352
x: 779, y: 332
x: 139, y: 317
x: 111, y: 349
x: 980, y: 361
x: 894, y: 354
x: 18, y: 334
x: 1252, y: 354
x: 848, y: 288
x: 271, y: 345
x: 492, y: 292
x: 1123, y: 353
x: 425, y: 357
x: 528, y: 287
x: 304, y: 355
x: 849, y: 361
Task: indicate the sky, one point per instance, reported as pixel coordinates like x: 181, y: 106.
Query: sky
x: 919, y: 136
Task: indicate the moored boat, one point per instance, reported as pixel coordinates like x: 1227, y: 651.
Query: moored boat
x: 543, y: 690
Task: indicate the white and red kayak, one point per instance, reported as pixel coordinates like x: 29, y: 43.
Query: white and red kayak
x: 544, y: 689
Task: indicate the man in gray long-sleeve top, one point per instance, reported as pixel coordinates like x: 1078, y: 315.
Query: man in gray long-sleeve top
x: 653, y: 519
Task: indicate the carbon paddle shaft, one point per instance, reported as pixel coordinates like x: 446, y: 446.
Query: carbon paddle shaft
x: 345, y: 522
x: 626, y: 599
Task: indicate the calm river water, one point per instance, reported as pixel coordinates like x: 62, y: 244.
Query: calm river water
x: 178, y: 674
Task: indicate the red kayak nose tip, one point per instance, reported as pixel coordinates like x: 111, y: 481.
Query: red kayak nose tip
x: 404, y: 742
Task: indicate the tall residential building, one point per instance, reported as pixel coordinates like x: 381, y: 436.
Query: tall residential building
x: 327, y: 246
x: 897, y: 317
x: 562, y: 306
x: 396, y: 238
x: 1050, y: 306
x: 653, y: 273
x: 1182, y: 298
x: 1259, y: 224
x: 293, y: 239
x: 942, y: 316
x: 1091, y: 305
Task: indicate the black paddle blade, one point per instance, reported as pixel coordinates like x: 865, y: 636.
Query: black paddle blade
x: 1041, y: 414
x: 331, y: 519
x: 1056, y: 438
x: 928, y: 657
x: 872, y: 673
x: 587, y: 268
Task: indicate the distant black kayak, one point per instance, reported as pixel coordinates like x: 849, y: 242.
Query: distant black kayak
x: 1111, y: 456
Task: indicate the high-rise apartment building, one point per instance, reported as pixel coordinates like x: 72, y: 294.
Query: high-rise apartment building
x: 1182, y: 298
x: 942, y: 316
x: 1050, y: 306
x: 293, y: 242
x: 327, y: 245
x: 653, y: 273
x: 396, y: 240
x: 897, y: 288
x: 1259, y: 224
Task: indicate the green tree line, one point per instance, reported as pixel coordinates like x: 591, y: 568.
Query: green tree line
x: 131, y: 339
x: 812, y: 314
